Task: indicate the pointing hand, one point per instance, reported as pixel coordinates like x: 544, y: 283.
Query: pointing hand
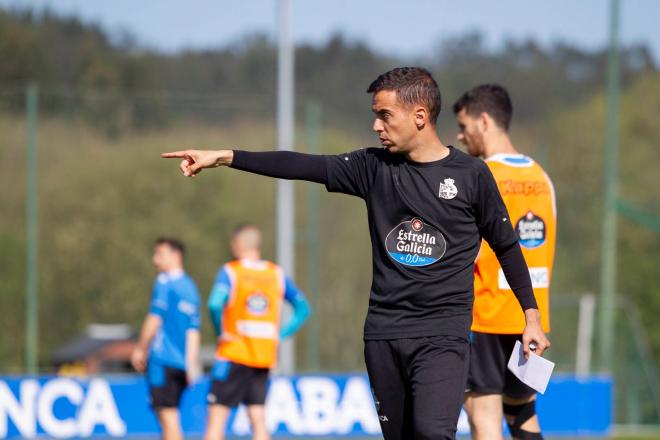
x: 194, y: 161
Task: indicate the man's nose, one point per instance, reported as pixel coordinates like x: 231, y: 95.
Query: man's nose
x: 377, y: 125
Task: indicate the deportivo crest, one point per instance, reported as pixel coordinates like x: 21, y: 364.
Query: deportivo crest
x: 447, y: 189
x: 258, y: 303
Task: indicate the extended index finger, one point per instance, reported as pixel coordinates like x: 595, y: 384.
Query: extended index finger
x: 175, y: 154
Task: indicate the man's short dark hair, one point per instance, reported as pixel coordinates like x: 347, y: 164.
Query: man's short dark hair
x: 173, y: 243
x: 487, y: 98
x: 413, y: 86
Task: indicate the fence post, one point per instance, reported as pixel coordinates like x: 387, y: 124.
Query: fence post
x: 608, y: 267
x: 312, y: 220
x: 32, y: 232
x: 585, y: 334
x: 285, y: 141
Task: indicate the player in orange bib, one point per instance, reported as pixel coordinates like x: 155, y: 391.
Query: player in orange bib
x: 245, y: 306
x: 483, y: 115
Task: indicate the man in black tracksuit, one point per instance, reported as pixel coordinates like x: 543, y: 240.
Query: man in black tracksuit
x: 429, y: 205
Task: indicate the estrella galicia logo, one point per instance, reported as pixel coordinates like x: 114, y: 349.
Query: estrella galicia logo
x: 531, y: 230
x: 415, y: 243
x: 257, y: 303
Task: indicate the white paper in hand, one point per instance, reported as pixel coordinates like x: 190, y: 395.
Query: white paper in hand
x: 534, y: 372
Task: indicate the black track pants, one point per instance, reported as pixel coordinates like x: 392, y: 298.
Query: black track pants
x: 418, y: 385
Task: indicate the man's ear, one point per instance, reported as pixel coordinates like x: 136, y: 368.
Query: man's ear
x: 485, y: 121
x: 421, y: 117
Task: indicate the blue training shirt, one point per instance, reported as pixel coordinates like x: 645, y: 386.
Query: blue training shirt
x: 175, y: 300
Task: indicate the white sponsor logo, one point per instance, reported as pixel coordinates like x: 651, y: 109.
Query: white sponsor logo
x: 531, y: 230
x: 321, y: 410
x: 257, y: 329
x: 187, y: 307
x: 415, y: 243
x: 312, y: 405
x: 539, y: 275
x: 34, y: 406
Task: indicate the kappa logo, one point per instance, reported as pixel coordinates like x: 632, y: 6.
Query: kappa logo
x: 447, y: 189
x: 383, y: 418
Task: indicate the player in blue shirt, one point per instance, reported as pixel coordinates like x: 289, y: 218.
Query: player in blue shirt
x: 168, y: 348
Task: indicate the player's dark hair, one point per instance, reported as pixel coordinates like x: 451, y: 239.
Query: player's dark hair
x: 173, y: 243
x: 413, y: 86
x: 487, y: 98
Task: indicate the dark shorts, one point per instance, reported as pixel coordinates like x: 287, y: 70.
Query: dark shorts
x: 166, y: 385
x: 418, y: 385
x: 232, y: 384
x: 488, y: 373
